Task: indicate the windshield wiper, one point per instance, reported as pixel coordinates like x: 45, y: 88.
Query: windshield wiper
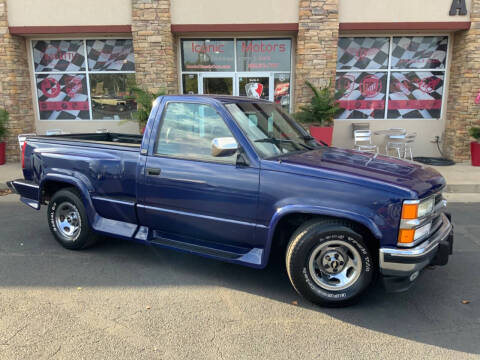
x: 310, y: 138
x: 277, y: 141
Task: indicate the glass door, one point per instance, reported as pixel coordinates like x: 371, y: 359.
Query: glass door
x: 216, y: 84
x: 255, y: 85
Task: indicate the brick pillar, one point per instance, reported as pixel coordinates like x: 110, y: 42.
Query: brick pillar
x: 15, y: 89
x: 317, y: 42
x: 154, y: 45
x: 463, y: 89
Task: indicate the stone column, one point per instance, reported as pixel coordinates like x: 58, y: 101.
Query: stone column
x: 464, y: 87
x: 154, y: 46
x: 15, y: 85
x: 317, y: 41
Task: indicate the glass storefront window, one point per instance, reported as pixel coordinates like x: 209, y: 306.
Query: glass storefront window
x: 254, y: 87
x: 62, y: 96
x: 208, y: 55
x: 63, y: 77
x: 58, y: 55
x: 253, y: 67
x: 110, y: 96
x: 190, y: 83
x: 263, y: 54
x: 365, y: 68
x: 281, y: 94
x: 361, y: 94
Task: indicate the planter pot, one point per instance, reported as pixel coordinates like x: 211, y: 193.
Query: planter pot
x: 475, y: 150
x: 2, y: 153
x: 324, y: 134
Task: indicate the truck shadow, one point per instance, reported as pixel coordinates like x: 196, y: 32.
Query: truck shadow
x: 431, y: 312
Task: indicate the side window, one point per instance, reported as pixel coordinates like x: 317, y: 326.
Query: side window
x: 188, y: 130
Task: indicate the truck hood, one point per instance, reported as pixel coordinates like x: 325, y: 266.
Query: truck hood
x: 354, y: 164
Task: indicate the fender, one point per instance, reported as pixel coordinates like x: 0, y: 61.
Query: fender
x: 317, y: 210
x: 78, y: 184
x: 99, y: 223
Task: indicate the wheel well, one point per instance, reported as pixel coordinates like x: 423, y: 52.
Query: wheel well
x: 51, y: 187
x: 290, y: 223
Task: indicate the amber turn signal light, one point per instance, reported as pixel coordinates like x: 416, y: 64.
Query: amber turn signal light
x: 406, y: 236
x: 410, y: 211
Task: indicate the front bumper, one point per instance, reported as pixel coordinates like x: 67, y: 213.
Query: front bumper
x: 400, y: 267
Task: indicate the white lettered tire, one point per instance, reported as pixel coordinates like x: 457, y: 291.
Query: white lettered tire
x: 329, y: 263
x: 68, y: 222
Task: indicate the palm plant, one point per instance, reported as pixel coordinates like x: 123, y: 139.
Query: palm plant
x: 322, y: 108
x: 144, y: 100
x: 475, y: 133
x: 3, y: 124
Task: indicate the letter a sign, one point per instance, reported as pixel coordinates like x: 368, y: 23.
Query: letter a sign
x: 458, y: 6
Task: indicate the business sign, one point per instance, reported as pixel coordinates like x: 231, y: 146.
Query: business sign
x: 458, y: 7
x: 208, y: 55
x: 252, y: 55
x: 263, y: 54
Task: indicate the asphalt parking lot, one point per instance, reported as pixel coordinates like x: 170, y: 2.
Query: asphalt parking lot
x: 122, y: 300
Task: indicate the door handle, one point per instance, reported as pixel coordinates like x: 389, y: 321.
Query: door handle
x: 153, y: 172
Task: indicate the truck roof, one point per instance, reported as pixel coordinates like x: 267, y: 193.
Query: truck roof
x: 226, y: 99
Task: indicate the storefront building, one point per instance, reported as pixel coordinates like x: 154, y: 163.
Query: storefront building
x: 68, y: 65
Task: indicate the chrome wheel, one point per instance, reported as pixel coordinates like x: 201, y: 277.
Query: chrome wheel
x: 335, y: 265
x: 67, y: 221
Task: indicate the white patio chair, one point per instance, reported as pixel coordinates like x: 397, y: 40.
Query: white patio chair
x: 363, y: 141
x: 409, y: 140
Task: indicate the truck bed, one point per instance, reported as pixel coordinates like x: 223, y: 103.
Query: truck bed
x: 130, y: 140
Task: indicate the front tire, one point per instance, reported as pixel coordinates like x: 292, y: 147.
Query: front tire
x: 329, y: 263
x: 68, y: 222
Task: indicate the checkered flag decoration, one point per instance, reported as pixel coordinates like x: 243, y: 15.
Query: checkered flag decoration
x: 362, y: 53
x: 62, y: 96
x: 58, y: 55
x: 421, y: 52
x: 416, y: 95
x: 361, y: 94
x: 110, y: 55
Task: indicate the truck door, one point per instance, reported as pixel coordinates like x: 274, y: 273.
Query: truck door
x: 189, y: 193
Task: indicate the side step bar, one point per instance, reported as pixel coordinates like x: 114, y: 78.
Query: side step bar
x: 196, y: 249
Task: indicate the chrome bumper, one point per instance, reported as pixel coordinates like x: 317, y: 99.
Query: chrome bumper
x: 405, y: 262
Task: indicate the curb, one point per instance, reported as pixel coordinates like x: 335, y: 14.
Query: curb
x: 463, y: 188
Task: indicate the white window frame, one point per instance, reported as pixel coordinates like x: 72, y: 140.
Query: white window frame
x: 237, y: 74
x: 86, y: 72
x: 389, y: 70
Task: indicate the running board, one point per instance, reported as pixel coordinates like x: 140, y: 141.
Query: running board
x: 251, y: 257
x: 196, y: 249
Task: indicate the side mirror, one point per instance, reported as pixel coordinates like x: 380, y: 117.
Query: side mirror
x: 225, y: 146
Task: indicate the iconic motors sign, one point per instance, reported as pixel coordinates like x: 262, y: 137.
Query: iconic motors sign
x: 252, y: 55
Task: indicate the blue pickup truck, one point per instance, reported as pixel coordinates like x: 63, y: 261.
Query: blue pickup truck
x: 236, y: 179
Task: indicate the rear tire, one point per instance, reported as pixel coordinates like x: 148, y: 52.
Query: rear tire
x: 68, y: 222
x: 329, y: 263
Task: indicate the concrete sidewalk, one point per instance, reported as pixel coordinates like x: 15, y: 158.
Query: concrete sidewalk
x: 9, y: 171
x: 463, y: 179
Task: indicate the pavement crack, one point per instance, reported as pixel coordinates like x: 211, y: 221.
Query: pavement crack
x: 14, y: 335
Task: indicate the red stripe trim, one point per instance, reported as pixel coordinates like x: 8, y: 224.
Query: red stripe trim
x: 87, y: 29
x: 183, y: 28
x: 453, y: 25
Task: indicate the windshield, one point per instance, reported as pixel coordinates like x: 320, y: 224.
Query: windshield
x: 270, y: 130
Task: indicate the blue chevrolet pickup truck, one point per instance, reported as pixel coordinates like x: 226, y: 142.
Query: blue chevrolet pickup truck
x: 236, y: 179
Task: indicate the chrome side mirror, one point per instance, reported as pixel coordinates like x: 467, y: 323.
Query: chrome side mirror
x: 224, y: 146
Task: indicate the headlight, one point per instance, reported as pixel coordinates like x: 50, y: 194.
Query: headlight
x: 416, y: 209
x: 410, y: 228
x: 425, y: 207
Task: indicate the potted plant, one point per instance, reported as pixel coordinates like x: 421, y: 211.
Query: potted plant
x: 475, y: 145
x: 144, y: 100
x: 320, y: 113
x: 3, y: 134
